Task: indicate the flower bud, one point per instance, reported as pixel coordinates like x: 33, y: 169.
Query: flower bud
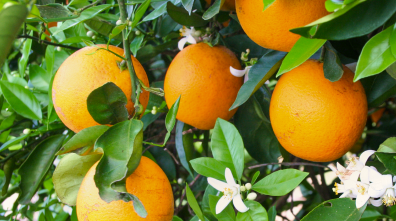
x: 129, y: 23
x: 58, y: 48
x: 119, y: 22
x: 90, y: 34
x: 26, y: 131
x: 137, y: 32
x: 248, y: 186
x: 251, y: 196
x: 153, y: 112
x: 243, y: 188
x: 94, y: 37
x: 180, y: 181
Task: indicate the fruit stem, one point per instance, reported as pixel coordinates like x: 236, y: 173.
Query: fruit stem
x: 136, y: 90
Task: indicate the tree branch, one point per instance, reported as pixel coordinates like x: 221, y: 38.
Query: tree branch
x: 289, y: 164
x: 47, y: 42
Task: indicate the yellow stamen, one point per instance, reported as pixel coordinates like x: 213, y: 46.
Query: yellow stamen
x: 335, y: 189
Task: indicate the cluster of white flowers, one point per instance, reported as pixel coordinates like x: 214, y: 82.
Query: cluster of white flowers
x: 373, y: 187
x: 192, y: 36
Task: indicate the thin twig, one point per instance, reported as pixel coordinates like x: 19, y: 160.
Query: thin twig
x: 47, y: 42
x: 289, y: 164
x: 292, y: 206
x: 173, y: 156
x: 184, y: 194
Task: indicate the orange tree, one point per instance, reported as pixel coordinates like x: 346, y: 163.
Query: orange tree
x: 179, y: 110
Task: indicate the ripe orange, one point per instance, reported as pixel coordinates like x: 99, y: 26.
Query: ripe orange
x: 84, y: 71
x: 376, y: 116
x: 270, y: 28
x: 228, y: 5
x: 316, y: 119
x: 201, y: 75
x: 148, y: 182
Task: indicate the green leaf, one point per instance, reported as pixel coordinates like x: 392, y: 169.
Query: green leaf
x: 379, y: 88
x: 182, y: 17
x: 209, y: 167
x: 12, y: 19
x: 336, y: 209
x: 116, y: 31
x: 356, y: 19
x: 389, y: 146
x: 391, y: 70
x: 39, y: 77
x: 69, y: 174
x: 212, y: 10
x: 85, y: 15
x: 156, y: 13
x: 265, y: 67
x: 102, y: 27
x: 106, y: 104
x: 255, y: 176
x: 184, y: 145
x: 8, y: 169
x: 239, y: 44
x: 376, y: 55
x: 389, y: 161
x: 227, y: 214
x: 193, y: 203
x: 136, y: 43
x: 54, y: 12
x: 140, y: 12
x: 22, y: 62
x: 188, y: 4
x: 176, y: 218
x: 252, y: 122
x: 332, y: 66
x: 21, y: 100
x: 392, y: 41
x: 268, y: 3
x: 205, y: 202
x: 227, y: 147
x: 36, y: 166
x: 280, y: 182
x: 85, y: 138
x: 301, y: 51
x: 256, y: 212
x: 11, y: 142
x: 122, y: 150
x: 170, y: 119
x: 272, y: 213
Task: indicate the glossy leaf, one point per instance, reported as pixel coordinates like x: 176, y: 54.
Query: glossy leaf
x: 280, y: 182
x: 14, y: 16
x: 11, y: 142
x: 212, y: 10
x: 268, y: 3
x: 36, y: 166
x: 182, y: 17
x: 107, y: 104
x: 8, y: 169
x: 102, y: 27
x: 140, y: 12
x: 193, y: 203
x: 239, y: 44
x: 136, y: 43
x: 389, y: 146
x: 85, y: 15
x: 265, y: 67
x: 392, y: 40
x: 122, y: 150
x: 356, y: 19
x: 21, y: 100
x: 156, y: 13
x: 336, y: 209
x: 184, y: 145
x: 54, y: 12
x: 209, y: 167
x: 227, y: 214
x: 227, y: 147
x: 376, y: 55
x: 332, y: 66
x: 252, y: 122
x: 379, y: 88
x: 272, y: 213
x: 22, y: 62
x: 301, y: 51
x: 39, y: 77
x: 85, y: 138
x: 256, y: 212
x: 188, y: 4
x: 170, y: 119
x: 389, y: 161
x: 69, y: 174
x: 205, y: 205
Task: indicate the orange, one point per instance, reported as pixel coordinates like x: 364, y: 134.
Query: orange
x: 50, y: 25
x: 316, y: 119
x: 270, y: 28
x: 201, y: 75
x: 228, y: 5
x: 148, y: 182
x: 376, y: 116
x: 84, y: 71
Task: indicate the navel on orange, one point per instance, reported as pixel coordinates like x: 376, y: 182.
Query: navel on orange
x: 148, y: 182
x: 201, y: 75
x: 316, y: 119
x: 270, y: 28
x: 84, y: 71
